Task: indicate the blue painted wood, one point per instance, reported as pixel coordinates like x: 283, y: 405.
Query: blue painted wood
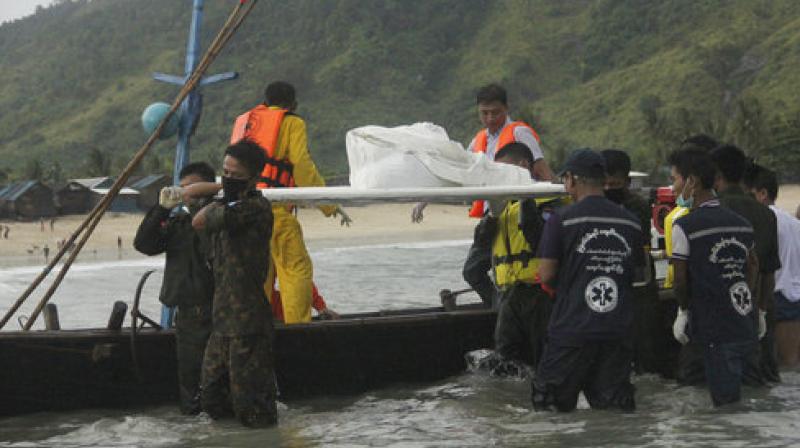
x: 191, y: 109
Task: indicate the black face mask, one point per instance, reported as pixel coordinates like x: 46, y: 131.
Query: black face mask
x: 616, y: 195
x: 232, y: 189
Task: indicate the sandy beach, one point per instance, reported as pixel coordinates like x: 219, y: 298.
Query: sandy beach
x: 373, y: 224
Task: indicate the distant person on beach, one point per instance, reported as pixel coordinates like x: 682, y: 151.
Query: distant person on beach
x: 716, y: 270
x: 46, y: 252
x: 239, y: 365
x: 52, y: 224
x: 281, y: 134
x: 41, y: 224
x: 5, y: 232
x: 188, y: 282
x: 763, y: 184
x: 590, y: 253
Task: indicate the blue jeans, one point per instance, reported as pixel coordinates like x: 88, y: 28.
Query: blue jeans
x: 724, y: 365
x: 784, y: 309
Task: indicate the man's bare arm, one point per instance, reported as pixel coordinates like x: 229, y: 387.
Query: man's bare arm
x: 200, y: 190
x: 541, y: 171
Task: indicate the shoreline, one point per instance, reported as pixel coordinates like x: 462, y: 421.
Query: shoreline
x: 373, y: 224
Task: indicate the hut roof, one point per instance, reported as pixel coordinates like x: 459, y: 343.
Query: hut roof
x: 123, y: 191
x: 147, y: 181
x: 12, y: 192
x: 90, y: 182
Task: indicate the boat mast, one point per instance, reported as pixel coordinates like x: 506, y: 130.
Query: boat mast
x: 191, y: 107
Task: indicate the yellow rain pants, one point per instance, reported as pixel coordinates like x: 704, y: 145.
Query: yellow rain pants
x: 292, y: 265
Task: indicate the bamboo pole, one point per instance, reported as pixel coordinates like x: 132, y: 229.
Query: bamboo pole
x: 233, y: 22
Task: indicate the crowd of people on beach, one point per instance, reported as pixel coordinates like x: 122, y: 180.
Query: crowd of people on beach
x: 570, y: 276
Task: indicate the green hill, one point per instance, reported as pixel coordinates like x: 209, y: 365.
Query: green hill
x: 633, y: 74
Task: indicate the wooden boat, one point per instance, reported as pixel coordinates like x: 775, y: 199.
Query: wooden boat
x: 74, y: 369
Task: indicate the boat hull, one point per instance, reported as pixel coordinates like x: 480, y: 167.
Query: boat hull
x: 77, y: 369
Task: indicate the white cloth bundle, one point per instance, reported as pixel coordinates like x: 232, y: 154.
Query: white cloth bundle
x: 420, y: 156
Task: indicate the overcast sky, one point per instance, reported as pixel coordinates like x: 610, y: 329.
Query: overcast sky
x: 14, y: 9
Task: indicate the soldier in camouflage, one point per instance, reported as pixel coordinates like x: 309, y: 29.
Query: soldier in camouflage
x: 238, y: 368
x: 188, y: 283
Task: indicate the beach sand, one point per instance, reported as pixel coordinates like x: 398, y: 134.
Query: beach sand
x: 373, y: 224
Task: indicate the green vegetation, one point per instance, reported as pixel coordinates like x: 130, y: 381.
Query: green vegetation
x: 634, y: 74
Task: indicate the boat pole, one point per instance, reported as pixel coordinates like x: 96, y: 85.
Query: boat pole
x: 236, y: 18
x: 190, y: 111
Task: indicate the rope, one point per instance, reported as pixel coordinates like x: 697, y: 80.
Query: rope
x: 234, y: 20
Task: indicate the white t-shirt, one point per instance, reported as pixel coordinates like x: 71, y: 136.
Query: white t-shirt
x: 521, y: 134
x: 787, y: 278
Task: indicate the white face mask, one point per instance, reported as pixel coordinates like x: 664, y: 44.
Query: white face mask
x: 681, y: 200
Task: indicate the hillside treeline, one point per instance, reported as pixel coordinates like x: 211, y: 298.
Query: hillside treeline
x: 632, y: 74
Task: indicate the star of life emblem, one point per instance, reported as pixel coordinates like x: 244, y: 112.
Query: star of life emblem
x: 602, y: 294
x: 741, y: 298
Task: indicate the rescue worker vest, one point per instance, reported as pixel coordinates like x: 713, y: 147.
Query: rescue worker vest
x: 262, y: 125
x: 512, y: 257
x: 481, y: 142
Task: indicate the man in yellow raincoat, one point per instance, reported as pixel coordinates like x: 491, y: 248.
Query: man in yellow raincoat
x: 281, y: 133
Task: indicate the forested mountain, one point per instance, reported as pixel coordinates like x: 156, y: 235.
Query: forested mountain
x: 635, y: 74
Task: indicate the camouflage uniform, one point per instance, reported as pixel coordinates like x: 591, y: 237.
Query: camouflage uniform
x: 239, y: 358
x: 188, y: 284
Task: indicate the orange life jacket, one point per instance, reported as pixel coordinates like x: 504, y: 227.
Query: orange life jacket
x: 481, y: 142
x: 261, y: 125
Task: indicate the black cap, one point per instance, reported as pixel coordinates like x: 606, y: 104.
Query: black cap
x: 586, y: 163
x: 617, y: 161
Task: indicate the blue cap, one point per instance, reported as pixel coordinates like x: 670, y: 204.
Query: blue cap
x: 586, y: 163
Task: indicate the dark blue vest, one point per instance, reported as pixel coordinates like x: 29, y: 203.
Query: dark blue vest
x: 600, y: 241
x: 721, y: 305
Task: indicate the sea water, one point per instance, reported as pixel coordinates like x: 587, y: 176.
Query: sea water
x: 467, y: 410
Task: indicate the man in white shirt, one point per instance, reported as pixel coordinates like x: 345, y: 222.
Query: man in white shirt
x: 763, y: 184
x: 498, y: 131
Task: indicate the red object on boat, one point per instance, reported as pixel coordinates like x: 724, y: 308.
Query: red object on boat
x: 665, y: 202
x: 317, y: 302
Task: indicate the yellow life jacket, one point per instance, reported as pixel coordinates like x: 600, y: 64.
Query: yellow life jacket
x: 512, y: 256
x: 669, y: 220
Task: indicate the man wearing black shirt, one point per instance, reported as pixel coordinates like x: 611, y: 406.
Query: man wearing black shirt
x: 731, y: 164
x: 188, y: 282
x: 715, y: 265
x: 656, y: 349
x: 588, y: 253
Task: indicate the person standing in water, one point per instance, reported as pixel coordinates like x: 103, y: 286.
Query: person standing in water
x: 188, y: 283
x: 588, y: 254
x: 239, y: 365
x: 716, y: 269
